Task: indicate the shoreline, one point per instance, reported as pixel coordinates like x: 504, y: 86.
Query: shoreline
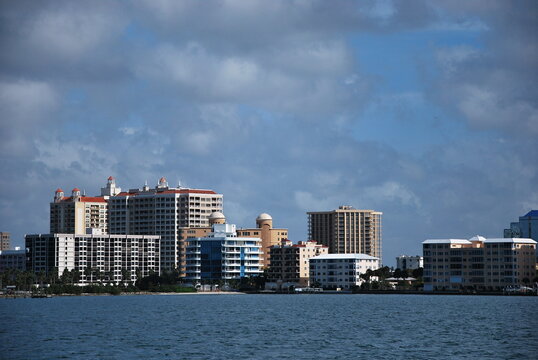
x: 373, y: 292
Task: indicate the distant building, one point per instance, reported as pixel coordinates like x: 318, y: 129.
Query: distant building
x: 222, y: 255
x: 97, y: 257
x: 13, y: 259
x: 5, y: 240
x: 526, y: 227
x: 404, y: 262
x: 264, y: 230
x: 76, y: 213
x: 478, y: 263
x: 333, y: 271
x: 347, y: 230
x: 290, y: 262
x: 162, y: 211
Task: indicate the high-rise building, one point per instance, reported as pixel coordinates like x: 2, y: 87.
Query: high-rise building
x: 76, y: 213
x: 478, y: 263
x: 405, y: 262
x: 223, y: 255
x: 162, y: 211
x: 5, y: 240
x: 347, y: 230
x: 333, y: 271
x: 97, y: 257
x: 290, y: 262
x: 526, y: 227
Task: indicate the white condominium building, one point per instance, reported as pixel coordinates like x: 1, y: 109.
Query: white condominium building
x: 332, y: 271
x: 404, y: 262
x: 97, y: 257
x: 162, y: 211
x: 223, y: 255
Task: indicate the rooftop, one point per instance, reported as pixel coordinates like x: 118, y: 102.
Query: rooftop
x: 532, y: 213
x: 345, y: 256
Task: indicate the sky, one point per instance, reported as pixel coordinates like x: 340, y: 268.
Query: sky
x: 424, y: 110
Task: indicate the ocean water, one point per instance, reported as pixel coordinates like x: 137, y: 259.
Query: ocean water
x: 270, y: 327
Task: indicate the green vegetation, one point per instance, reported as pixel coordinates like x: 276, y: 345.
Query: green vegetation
x: 51, y: 283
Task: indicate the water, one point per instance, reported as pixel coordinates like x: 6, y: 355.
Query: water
x: 269, y: 327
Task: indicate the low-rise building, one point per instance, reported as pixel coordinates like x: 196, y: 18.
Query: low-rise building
x: 340, y: 271
x: 97, y: 257
x: 222, y: 255
x: 13, y: 259
x: 404, y: 262
x: 290, y: 263
x: 478, y: 263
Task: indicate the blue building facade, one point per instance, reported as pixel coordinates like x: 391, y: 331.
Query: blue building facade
x: 223, y: 256
x: 526, y: 227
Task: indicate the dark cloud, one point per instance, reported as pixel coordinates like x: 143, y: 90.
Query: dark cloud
x: 258, y: 100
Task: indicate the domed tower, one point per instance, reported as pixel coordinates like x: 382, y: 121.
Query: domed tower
x: 75, y: 194
x: 163, y: 184
x: 264, y: 220
x: 58, y: 195
x: 217, y: 218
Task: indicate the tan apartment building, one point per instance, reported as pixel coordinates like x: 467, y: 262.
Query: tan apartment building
x: 76, y: 213
x: 5, y: 240
x: 291, y: 262
x: 264, y: 230
x: 478, y: 263
x: 347, y: 230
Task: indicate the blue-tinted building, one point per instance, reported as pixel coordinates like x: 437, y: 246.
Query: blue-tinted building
x: 526, y: 227
x: 223, y: 256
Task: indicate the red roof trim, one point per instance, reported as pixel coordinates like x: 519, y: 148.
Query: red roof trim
x: 182, y: 191
x: 86, y: 199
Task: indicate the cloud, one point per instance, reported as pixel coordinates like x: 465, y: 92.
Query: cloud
x: 25, y: 106
x: 260, y: 100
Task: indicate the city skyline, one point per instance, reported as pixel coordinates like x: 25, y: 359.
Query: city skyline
x: 424, y: 111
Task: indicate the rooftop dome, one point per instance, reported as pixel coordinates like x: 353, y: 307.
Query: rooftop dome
x: 162, y: 180
x: 477, y: 238
x: 59, y: 190
x: 111, y: 178
x: 216, y: 215
x: 264, y: 216
x: 75, y: 189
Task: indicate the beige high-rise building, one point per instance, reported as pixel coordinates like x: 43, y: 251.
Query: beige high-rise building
x: 290, y: 262
x: 76, y: 213
x: 5, y: 240
x: 347, y: 230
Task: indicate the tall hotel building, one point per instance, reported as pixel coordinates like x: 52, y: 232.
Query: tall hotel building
x: 162, y: 211
x: 478, y: 263
x: 347, y: 230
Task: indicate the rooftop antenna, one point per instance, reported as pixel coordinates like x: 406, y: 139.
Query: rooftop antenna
x: 84, y: 192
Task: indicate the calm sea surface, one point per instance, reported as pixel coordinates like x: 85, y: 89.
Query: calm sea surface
x: 270, y: 327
